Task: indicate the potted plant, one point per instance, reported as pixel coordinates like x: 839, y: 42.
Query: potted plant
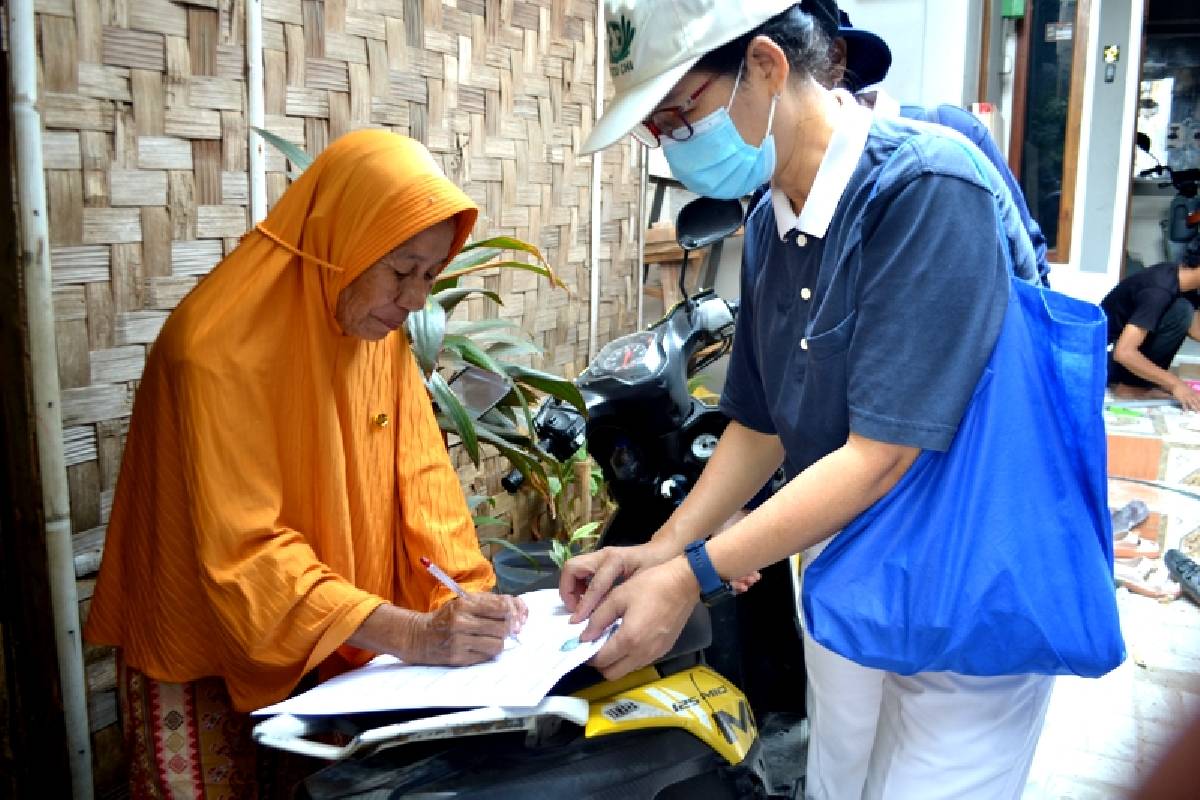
x: 568, y: 525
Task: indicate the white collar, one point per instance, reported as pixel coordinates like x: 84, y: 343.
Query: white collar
x: 841, y: 158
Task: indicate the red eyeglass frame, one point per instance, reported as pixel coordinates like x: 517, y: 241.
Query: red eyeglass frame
x: 650, y: 133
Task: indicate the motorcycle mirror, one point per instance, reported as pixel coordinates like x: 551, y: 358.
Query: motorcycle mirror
x: 702, y: 222
x: 478, y: 389
x: 705, y: 221
x: 1143, y: 141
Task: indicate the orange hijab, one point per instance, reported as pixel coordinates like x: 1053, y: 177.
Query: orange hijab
x: 281, y: 479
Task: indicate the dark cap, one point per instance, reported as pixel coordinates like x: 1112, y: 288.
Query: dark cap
x: 867, y: 56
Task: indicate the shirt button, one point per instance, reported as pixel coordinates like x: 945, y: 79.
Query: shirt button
x: 801, y: 240
x: 806, y: 293
x: 804, y: 344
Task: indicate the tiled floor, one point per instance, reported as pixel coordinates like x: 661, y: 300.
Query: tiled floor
x: 1103, y: 736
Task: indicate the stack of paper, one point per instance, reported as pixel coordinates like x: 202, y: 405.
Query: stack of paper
x: 547, y: 649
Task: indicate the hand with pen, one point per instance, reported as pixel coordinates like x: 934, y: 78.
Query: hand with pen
x: 469, y: 629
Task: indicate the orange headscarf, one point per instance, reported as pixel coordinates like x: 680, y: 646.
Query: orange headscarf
x: 282, y: 479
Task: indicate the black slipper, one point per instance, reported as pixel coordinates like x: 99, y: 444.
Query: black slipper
x: 1185, y: 571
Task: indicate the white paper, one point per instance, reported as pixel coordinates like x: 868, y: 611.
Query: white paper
x: 521, y: 675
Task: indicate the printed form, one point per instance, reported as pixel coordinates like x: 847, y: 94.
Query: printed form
x: 547, y: 648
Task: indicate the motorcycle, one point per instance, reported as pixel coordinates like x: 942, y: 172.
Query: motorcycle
x: 677, y: 729
x: 651, y: 439
x: 645, y: 430
x: 1182, y: 225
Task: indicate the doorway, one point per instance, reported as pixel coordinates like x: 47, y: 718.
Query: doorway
x: 1169, y: 118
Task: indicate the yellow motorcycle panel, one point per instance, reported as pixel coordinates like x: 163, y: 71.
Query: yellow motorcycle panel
x: 698, y: 700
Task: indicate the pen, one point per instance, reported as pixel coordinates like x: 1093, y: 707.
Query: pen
x: 451, y: 584
x: 442, y: 577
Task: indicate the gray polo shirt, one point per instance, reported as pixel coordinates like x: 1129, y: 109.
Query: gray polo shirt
x: 876, y: 309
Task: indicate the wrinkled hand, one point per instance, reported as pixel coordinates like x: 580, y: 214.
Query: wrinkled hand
x: 466, y: 630
x: 653, y: 607
x: 1188, y: 397
x: 587, y: 579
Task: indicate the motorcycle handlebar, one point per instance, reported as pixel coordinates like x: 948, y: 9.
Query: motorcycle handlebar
x: 512, y: 481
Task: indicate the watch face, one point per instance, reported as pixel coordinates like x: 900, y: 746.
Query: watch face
x: 724, y: 592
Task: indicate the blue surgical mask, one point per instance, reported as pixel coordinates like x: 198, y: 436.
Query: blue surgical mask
x: 716, y: 161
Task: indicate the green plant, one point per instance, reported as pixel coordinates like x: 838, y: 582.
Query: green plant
x: 580, y: 541
x: 494, y: 344
x: 571, y: 509
x: 571, y: 528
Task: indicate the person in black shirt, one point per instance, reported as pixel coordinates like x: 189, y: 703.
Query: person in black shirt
x: 1149, y: 314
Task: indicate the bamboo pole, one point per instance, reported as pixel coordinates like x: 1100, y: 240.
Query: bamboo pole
x: 597, y: 159
x: 639, y: 269
x: 256, y: 110
x: 43, y: 357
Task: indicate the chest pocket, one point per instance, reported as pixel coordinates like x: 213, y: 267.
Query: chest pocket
x: 833, y: 341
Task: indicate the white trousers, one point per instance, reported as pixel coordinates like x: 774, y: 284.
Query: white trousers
x: 876, y: 735
x: 933, y: 735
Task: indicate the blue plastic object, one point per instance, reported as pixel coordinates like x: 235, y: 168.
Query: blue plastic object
x: 994, y: 557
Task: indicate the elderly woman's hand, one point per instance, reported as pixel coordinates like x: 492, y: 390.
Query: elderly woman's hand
x: 466, y: 630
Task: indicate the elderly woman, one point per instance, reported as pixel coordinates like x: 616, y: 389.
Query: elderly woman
x: 284, y: 474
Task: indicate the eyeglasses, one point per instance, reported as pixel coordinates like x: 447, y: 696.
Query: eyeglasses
x: 670, y: 122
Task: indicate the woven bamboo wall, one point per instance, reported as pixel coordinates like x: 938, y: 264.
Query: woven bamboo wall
x: 144, y: 106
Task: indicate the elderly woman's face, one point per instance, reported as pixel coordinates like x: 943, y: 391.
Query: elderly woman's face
x: 378, y: 301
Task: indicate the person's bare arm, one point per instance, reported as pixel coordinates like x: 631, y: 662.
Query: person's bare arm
x: 1126, y: 352
x: 814, y: 505
x: 1194, y: 328
x: 742, y: 463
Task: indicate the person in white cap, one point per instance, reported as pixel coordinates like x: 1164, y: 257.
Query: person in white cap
x: 879, y: 283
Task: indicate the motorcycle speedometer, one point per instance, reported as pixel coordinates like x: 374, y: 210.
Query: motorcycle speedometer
x: 630, y: 358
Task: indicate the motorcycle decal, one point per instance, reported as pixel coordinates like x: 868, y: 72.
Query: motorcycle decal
x: 626, y: 709
x: 728, y: 723
x: 698, y: 700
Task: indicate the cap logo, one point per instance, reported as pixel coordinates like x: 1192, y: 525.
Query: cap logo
x: 620, y: 41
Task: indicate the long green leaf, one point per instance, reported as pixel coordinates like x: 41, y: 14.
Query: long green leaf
x: 559, y: 553
x: 453, y: 409
x: 484, y: 521
x: 499, y: 420
x: 472, y: 353
x: 551, y: 384
x: 584, y: 532
x: 292, y: 151
x: 442, y: 284
x: 449, y: 298
x: 524, y: 403
x: 521, y: 395
x: 544, y: 271
x: 514, y: 436
x: 525, y: 462
x: 500, y: 347
x: 426, y: 329
x: 482, y: 328
x: 470, y: 256
x: 507, y: 243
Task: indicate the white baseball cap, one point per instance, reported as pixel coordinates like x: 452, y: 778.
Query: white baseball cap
x: 653, y: 43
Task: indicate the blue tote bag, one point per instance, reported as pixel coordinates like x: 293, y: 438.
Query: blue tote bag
x: 994, y: 557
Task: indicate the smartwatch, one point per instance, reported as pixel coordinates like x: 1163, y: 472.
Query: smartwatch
x: 712, y: 589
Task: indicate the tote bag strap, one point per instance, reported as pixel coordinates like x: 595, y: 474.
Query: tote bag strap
x: 979, y: 170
